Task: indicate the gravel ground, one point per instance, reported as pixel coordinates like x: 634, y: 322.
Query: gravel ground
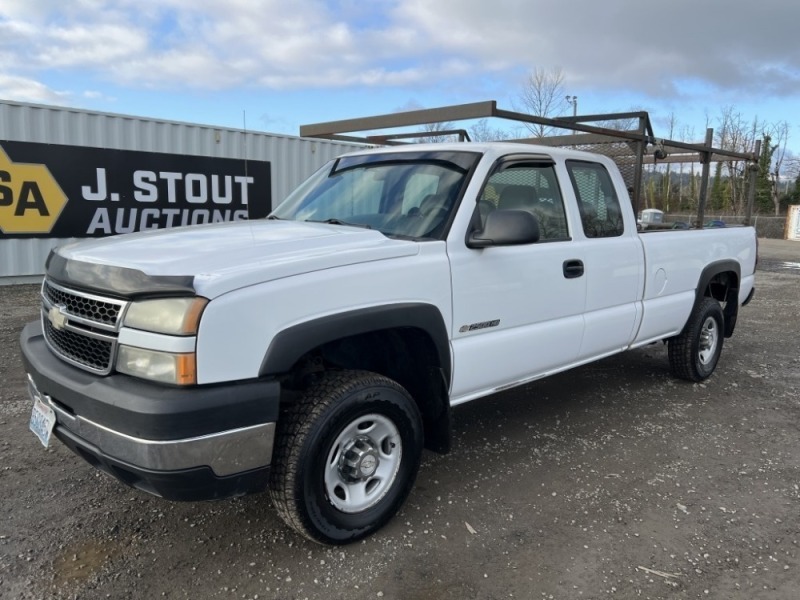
x: 612, y: 480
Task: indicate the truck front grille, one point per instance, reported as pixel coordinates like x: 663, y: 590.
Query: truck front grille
x: 90, y: 353
x: 81, y: 328
x: 92, y: 308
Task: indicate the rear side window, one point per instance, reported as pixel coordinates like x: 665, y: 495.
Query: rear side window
x: 601, y: 215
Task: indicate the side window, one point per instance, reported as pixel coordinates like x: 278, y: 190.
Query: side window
x: 601, y: 215
x: 527, y: 186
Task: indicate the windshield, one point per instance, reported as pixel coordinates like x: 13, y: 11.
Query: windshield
x: 407, y: 194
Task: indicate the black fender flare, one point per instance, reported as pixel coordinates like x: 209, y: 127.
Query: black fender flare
x: 732, y: 301
x: 288, y: 346
x: 713, y: 269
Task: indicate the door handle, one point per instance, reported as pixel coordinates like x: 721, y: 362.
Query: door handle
x: 573, y: 268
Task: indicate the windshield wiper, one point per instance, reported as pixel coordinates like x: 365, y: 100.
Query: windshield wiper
x: 339, y: 222
x: 274, y: 218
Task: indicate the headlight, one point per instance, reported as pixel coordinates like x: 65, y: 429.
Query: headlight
x: 176, y: 316
x: 166, y: 367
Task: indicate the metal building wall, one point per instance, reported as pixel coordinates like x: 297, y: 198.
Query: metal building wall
x: 293, y: 158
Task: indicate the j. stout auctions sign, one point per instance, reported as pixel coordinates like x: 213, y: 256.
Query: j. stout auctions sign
x: 49, y: 190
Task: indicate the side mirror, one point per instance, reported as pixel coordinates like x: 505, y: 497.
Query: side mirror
x: 506, y: 227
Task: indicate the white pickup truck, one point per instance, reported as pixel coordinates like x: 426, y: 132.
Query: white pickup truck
x: 316, y: 352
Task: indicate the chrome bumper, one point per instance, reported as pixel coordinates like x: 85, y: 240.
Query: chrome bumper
x: 225, y: 452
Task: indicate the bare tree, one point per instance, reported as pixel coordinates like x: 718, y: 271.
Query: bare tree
x: 687, y: 135
x: 543, y: 96
x: 623, y: 124
x: 734, y: 133
x: 482, y: 132
x: 672, y: 123
x: 779, y: 133
x: 792, y: 165
x: 432, y: 130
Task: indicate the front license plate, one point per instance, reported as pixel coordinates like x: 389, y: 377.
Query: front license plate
x: 43, y: 418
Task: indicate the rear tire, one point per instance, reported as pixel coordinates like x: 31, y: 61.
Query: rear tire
x: 694, y: 353
x: 346, y: 456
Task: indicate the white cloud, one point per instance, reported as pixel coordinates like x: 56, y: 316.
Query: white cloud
x: 95, y: 95
x: 22, y: 89
x: 210, y: 45
x: 81, y: 46
x: 646, y: 47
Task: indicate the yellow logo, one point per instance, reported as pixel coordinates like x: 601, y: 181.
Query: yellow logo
x: 30, y: 199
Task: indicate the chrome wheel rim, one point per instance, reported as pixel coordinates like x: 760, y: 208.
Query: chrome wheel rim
x: 362, y: 463
x: 709, y: 336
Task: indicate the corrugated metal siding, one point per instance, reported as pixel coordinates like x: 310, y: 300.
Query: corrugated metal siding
x: 293, y: 158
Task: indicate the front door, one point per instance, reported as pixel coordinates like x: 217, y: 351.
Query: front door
x: 519, y: 309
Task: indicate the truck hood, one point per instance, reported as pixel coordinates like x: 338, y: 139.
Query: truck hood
x: 214, y: 259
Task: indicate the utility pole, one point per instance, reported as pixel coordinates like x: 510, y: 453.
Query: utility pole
x: 574, y: 101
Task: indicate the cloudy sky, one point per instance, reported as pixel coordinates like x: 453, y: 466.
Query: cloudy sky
x: 282, y: 64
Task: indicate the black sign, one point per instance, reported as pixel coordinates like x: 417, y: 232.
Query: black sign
x: 49, y: 190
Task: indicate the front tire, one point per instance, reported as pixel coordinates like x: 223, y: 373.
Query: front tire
x: 694, y: 353
x: 347, y: 454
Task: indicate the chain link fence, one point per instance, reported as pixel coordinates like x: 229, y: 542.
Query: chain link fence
x: 766, y: 226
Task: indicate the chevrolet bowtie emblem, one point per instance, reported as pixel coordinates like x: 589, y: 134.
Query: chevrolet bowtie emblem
x: 57, y: 318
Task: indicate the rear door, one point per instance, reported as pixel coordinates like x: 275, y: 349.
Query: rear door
x: 613, y: 257
x: 518, y: 310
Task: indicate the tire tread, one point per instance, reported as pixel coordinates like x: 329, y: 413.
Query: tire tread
x: 681, y: 348
x: 294, y: 425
